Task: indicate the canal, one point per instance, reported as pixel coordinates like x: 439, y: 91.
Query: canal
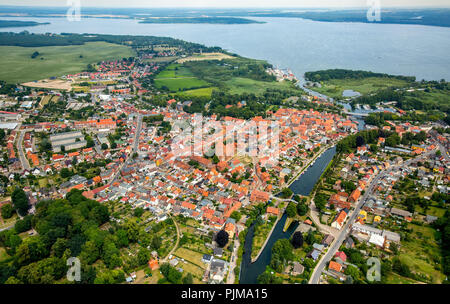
x: 302, y: 186
x: 305, y: 183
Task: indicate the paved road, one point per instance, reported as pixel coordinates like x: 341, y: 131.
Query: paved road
x: 19, y: 145
x: 134, y: 148
x: 345, y: 230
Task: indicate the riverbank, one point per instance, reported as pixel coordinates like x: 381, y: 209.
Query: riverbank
x: 308, y: 165
x: 267, y: 239
x: 251, y: 270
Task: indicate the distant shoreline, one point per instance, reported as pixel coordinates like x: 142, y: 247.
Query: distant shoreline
x: 13, y: 23
x: 199, y: 20
x: 439, y: 17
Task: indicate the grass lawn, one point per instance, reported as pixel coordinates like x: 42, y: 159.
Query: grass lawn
x: 184, y: 228
x: 204, y: 92
x: 240, y: 85
x: 335, y: 87
x: 161, y: 59
x: 180, y: 84
x: 196, y: 271
x: 394, y: 278
x: 190, y: 256
x: 43, y: 182
x: 433, y: 97
x: 17, y: 65
x: 178, y: 78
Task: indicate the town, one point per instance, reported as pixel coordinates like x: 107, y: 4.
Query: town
x: 185, y: 215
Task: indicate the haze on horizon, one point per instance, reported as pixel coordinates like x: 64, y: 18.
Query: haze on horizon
x: 231, y: 3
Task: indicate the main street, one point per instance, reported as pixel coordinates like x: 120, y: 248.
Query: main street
x: 133, y: 150
x: 345, y: 230
x: 19, y: 146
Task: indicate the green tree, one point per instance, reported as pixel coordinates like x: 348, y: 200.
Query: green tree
x: 132, y: 231
x: 23, y: 224
x: 302, y: 209
x: 89, y: 252
x: 143, y: 256
x: 7, y: 211
x: 286, y: 193
x: 122, y: 238
x: 65, y: 173
x: 32, y: 249
x: 20, y: 201
x: 188, y: 279
x: 291, y: 210
x: 236, y: 215
x: 268, y: 278
x: 138, y: 212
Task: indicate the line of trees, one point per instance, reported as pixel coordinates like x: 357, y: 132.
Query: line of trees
x: 324, y: 75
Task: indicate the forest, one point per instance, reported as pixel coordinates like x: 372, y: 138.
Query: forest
x: 71, y: 227
x: 325, y: 75
x: 25, y: 39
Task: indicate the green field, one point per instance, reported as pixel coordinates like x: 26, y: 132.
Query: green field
x: 178, y: 78
x: 422, y: 253
x: 240, y: 85
x: 233, y: 76
x: 18, y: 66
x: 204, y: 92
x: 335, y: 87
x: 161, y: 59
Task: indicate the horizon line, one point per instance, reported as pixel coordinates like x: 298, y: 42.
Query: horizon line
x: 234, y: 7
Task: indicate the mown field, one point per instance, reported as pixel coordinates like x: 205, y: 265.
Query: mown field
x: 178, y: 78
x: 18, y: 66
x: 204, y: 92
x: 240, y: 85
x: 335, y: 87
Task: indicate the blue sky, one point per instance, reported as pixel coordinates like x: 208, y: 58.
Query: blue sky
x: 229, y: 3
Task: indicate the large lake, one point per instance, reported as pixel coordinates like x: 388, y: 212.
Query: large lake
x: 301, y: 45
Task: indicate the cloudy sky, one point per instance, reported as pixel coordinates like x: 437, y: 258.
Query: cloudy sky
x: 228, y: 3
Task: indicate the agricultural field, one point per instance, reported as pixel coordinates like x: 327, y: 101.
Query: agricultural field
x: 161, y: 59
x: 240, y: 85
x: 203, y: 92
x: 335, y: 87
x: 18, y: 66
x: 205, y: 56
x: 178, y: 78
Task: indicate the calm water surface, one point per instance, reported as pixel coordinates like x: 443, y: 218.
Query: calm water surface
x: 298, y: 44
